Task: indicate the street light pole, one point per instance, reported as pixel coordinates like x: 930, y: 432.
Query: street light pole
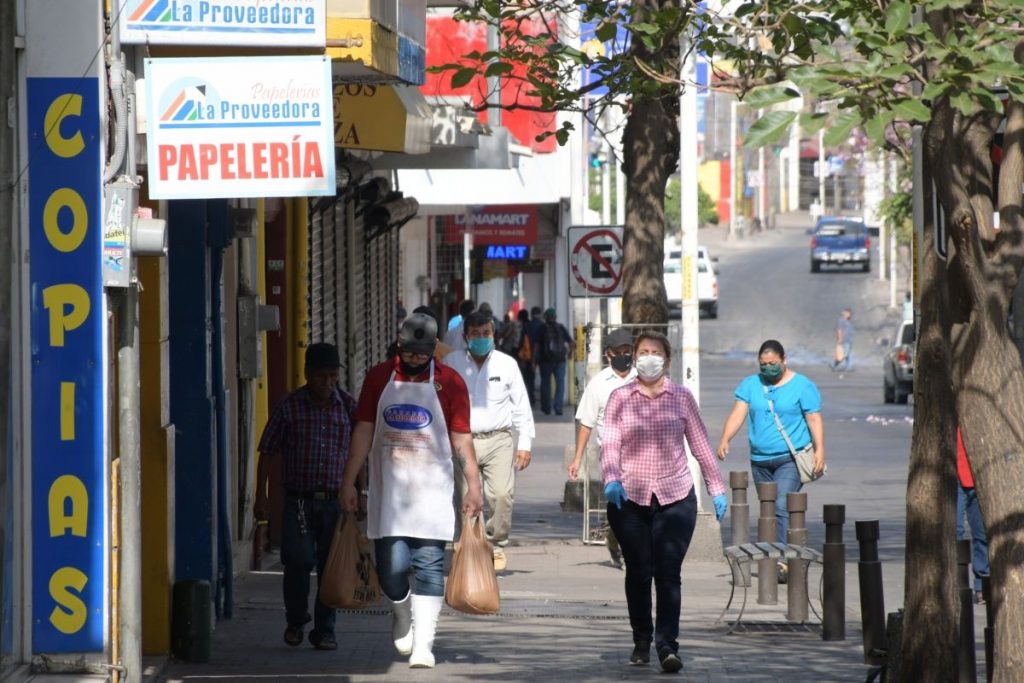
x: 732, y: 169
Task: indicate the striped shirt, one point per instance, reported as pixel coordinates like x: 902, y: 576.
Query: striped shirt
x: 313, y: 441
x: 642, y: 444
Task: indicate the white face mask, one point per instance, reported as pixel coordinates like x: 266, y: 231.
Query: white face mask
x: 650, y: 367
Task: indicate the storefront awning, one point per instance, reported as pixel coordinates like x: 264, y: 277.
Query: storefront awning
x: 383, y: 118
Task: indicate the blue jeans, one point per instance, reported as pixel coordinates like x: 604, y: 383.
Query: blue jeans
x: 654, y: 539
x: 546, y: 371
x: 782, y: 470
x: 845, y: 363
x: 300, y: 552
x: 967, y: 501
x: 397, y: 554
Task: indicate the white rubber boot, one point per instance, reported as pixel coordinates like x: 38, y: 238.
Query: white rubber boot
x: 401, y: 624
x: 425, y: 610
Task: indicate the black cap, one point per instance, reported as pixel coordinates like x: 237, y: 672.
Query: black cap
x: 322, y: 355
x: 418, y: 334
x: 619, y: 337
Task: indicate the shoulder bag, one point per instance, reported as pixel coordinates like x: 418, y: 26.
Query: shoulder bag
x: 804, y: 458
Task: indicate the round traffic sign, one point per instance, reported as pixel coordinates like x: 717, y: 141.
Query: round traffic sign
x: 596, y: 261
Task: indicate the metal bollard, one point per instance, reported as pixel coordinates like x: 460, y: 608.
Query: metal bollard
x: 966, y: 663
x: 872, y: 600
x: 767, y: 530
x: 796, y: 588
x: 833, y: 601
x: 740, y: 516
x: 990, y: 643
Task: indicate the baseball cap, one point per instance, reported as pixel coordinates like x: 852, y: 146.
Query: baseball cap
x: 322, y: 355
x: 619, y: 337
x: 418, y: 334
x: 550, y: 313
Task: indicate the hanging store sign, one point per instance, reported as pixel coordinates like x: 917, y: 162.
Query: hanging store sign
x: 239, y: 127
x: 274, y: 23
x: 506, y: 224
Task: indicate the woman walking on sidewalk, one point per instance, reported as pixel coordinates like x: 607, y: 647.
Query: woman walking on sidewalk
x: 652, y: 503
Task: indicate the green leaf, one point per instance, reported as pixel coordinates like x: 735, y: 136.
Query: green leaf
x: 876, y: 125
x: 839, y: 131
x: 811, y: 123
x: 897, y: 18
x: 606, y: 31
x: 649, y: 29
x: 463, y: 76
x: 767, y: 95
x: 912, y: 110
x: 769, y: 128
x: 934, y: 90
x: 498, y: 69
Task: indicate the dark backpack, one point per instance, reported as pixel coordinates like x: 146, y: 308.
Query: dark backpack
x: 512, y: 338
x: 552, y: 343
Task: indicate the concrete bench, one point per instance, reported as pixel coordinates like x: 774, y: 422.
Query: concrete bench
x: 746, y: 554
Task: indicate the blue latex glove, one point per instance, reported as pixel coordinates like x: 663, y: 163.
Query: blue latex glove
x: 615, y: 494
x: 721, y: 502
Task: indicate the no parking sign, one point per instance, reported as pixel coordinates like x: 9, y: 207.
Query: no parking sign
x: 595, y: 261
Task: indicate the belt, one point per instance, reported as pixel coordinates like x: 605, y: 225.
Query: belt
x: 315, y: 495
x: 493, y: 432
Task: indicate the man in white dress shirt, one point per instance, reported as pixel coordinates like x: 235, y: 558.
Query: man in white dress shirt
x: 618, y: 350
x: 498, y: 405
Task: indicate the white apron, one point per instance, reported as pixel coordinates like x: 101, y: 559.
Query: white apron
x: 411, y: 474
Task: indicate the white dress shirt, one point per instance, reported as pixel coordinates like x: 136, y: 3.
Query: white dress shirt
x: 497, y: 395
x: 454, y: 338
x: 595, y: 398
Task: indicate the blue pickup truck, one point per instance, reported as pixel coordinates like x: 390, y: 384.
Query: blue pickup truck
x: 840, y: 242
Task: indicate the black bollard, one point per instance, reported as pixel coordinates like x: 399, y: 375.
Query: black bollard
x: 966, y: 663
x: 796, y: 588
x: 833, y: 601
x: 767, y: 531
x: 990, y: 643
x: 872, y: 600
x: 740, y: 516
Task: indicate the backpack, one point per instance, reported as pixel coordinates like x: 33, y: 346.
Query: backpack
x: 552, y: 343
x: 526, y: 350
x: 512, y: 338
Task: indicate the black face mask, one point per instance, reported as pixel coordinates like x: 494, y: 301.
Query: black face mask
x: 412, y: 370
x: 622, y: 362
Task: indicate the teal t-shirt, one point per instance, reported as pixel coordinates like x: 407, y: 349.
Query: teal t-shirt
x: 792, y: 400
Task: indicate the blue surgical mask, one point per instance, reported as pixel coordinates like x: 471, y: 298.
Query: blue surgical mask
x: 481, y: 346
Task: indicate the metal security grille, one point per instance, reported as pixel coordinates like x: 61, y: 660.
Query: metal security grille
x: 450, y: 267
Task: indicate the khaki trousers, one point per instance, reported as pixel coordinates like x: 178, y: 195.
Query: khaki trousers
x: 495, y: 456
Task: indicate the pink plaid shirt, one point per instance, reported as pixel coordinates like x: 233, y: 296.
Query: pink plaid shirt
x: 642, y: 444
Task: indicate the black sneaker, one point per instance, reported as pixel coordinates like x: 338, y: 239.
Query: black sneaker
x: 293, y: 635
x: 641, y: 655
x: 322, y: 641
x: 670, y: 662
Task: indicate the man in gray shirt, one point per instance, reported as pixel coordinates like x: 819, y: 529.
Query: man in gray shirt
x: 844, y: 341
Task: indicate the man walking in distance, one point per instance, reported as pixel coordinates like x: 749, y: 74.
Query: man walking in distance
x: 454, y: 336
x: 844, y: 341
x: 618, y: 351
x: 411, y: 422
x: 498, y: 404
x: 551, y: 353
x: 311, y: 430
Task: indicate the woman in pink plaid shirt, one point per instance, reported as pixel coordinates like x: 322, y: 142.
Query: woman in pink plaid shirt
x: 652, y: 504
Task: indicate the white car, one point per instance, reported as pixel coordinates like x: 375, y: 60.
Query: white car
x: 707, y: 281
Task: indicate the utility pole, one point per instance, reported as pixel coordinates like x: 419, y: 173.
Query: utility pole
x: 733, y: 184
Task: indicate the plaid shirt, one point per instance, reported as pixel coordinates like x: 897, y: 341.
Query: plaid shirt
x: 642, y: 444
x: 314, y: 441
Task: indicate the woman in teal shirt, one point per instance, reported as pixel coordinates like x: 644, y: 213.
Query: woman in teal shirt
x: 797, y: 402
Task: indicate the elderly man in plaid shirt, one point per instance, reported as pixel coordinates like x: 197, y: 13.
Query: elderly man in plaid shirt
x: 311, y: 429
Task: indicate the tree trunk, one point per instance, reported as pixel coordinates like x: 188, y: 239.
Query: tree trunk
x: 650, y: 144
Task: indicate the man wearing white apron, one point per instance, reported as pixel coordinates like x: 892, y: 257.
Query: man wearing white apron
x: 412, y: 419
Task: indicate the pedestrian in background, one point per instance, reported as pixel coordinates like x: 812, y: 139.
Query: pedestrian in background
x: 311, y: 429
x: 652, y: 502
x: 844, y: 341
x: 618, y: 351
x: 551, y: 352
x: 967, y: 504
x: 412, y: 420
x: 498, y: 407
x: 454, y: 337
x: 524, y: 356
x: 777, y: 390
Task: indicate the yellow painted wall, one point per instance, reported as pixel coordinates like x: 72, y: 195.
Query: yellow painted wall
x: 709, y: 178
x: 298, y: 275
x: 157, y: 458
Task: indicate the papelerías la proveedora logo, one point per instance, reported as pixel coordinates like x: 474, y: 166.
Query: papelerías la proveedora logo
x: 224, y: 15
x: 407, y: 416
x: 192, y: 104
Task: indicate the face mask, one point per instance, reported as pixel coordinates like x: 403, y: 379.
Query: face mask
x: 481, y: 346
x: 622, y: 362
x: 771, y: 372
x: 412, y: 370
x: 650, y: 367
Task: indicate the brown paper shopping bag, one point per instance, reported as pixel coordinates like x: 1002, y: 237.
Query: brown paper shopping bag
x: 350, y: 578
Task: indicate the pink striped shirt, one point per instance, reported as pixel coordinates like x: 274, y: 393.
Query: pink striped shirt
x: 642, y: 444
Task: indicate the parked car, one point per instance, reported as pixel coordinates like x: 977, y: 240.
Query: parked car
x: 898, y: 365
x: 707, y: 282
x: 841, y: 242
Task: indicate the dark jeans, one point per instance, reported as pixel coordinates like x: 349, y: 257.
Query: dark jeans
x: 546, y: 371
x: 654, y: 539
x: 301, y: 552
x: 967, y: 502
x: 526, y: 368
